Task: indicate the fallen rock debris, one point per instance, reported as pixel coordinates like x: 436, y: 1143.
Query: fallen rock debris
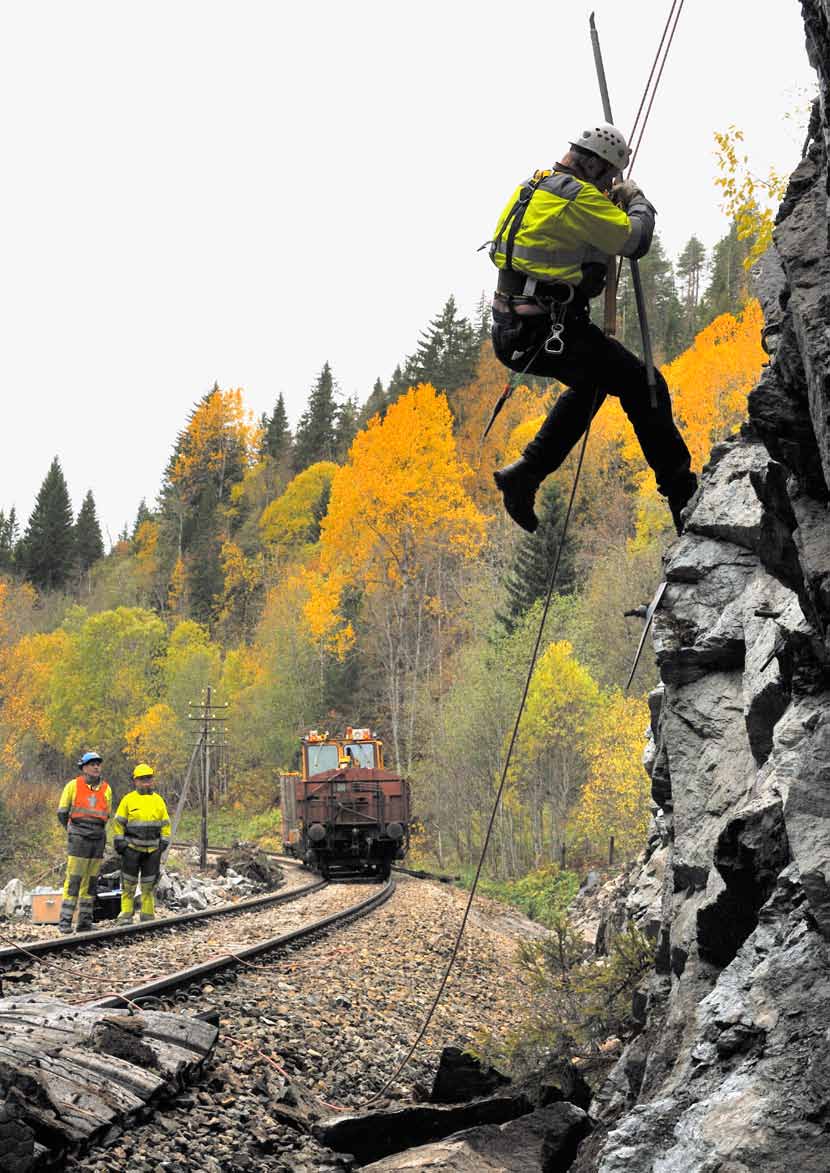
x: 176, y: 892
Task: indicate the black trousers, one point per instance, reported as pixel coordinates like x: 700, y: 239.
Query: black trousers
x: 591, y: 361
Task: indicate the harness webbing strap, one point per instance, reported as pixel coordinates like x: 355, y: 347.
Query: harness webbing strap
x: 513, y: 220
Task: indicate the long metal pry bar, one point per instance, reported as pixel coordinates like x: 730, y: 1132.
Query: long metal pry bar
x: 636, y: 281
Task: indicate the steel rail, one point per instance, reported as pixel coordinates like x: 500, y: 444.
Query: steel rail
x: 417, y: 873
x: 78, y: 940
x: 184, y: 977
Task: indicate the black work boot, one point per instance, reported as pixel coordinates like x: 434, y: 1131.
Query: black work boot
x: 518, y: 483
x: 65, y: 922
x: 679, y: 495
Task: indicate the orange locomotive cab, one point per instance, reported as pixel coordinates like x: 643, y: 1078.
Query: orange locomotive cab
x: 345, y: 814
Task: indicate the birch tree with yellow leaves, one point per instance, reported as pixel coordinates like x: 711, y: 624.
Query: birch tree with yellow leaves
x: 616, y: 799
x: 549, y: 761
x: 399, y: 529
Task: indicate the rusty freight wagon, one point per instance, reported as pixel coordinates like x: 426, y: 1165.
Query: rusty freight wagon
x: 344, y: 814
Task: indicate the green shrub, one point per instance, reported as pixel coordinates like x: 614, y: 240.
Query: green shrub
x: 581, y: 1000
x: 227, y: 825
x: 543, y: 894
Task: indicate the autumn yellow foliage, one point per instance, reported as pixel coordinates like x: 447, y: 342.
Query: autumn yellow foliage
x: 615, y: 800
x: 396, y: 506
x: 294, y: 517
x: 747, y: 199
x: 221, y: 439
x: 710, y: 381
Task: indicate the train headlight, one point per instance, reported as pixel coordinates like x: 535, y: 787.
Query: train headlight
x: 394, y: 830
x: 316, y: 832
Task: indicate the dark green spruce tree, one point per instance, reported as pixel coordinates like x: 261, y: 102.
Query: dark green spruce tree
x: 483, y: 319
x: 729, y: 281
x: 533, y: 562
x: 277, y: 436
x: 665, y: 313
x: 89, y: 545
x: 374, y: 405
x: 316, y: 437
x: 403, y: 377
x: 9, y: 538
x: 447, y: 353
x: 346, y: 427
x: 142, y: 514
x: 48, y: 546
x: 690, y: 267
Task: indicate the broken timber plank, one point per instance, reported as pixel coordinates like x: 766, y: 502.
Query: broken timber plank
x: 68, y: 1073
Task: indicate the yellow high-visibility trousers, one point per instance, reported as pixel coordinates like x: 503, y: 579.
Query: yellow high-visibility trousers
x: 79, y: 888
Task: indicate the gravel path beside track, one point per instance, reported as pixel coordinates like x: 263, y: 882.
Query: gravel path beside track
x: 335, y: 1015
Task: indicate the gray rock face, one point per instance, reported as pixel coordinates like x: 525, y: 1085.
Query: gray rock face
x: 731, y: 1073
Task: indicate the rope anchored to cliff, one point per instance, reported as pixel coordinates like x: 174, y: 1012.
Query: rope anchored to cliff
x: 646, y: 103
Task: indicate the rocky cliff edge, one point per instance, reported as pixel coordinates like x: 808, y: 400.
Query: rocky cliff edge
x: 731, y: 1071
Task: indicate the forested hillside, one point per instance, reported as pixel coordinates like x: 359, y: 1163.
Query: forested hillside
x: 358, y: 569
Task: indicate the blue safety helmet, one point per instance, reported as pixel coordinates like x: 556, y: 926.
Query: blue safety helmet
x: 89, y: 757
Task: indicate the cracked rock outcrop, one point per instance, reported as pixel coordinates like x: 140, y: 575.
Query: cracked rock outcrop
x: 731, y: 1072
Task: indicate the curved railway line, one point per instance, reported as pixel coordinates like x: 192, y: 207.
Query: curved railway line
x: 146, y: 958
x: 128, y: 964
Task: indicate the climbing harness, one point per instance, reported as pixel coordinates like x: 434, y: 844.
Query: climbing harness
x: 512, y: 222
x: 559, y: 296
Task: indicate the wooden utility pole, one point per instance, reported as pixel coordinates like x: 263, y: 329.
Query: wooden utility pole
x: 211, y: 734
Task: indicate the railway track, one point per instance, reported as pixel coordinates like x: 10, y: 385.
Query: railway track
x: 116, y: 966
x: 151, y: 966
x: 171, y: 982
x: 13, y: 953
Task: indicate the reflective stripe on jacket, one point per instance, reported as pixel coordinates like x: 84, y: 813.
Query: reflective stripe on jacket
x: 85, y: 809
x: 567, y: 230
x: 143, y: 820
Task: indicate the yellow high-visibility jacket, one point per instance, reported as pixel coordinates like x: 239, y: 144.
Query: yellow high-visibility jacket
x: 142, y: 819
x: 84, y: 809
x: 556, y: 227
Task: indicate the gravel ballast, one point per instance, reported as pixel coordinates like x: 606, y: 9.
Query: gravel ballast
x: 335, y: 1016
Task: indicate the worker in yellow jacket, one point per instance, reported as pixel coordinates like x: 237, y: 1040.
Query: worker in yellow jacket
x: 84, y: 808
x: 552, y: 246
x: 141, y: 837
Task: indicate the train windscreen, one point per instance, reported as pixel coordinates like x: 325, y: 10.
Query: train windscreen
x: 363, y: 754
x: 321, y: 757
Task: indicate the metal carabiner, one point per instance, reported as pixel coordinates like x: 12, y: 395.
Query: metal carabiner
x: 556, y: 343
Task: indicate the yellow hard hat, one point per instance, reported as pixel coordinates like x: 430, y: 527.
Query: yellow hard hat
x: 143, y: 771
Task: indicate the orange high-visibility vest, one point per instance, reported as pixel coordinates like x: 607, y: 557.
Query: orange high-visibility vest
x: 89, y: 803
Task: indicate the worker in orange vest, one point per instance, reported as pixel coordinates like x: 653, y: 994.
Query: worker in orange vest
x: 84, y: 808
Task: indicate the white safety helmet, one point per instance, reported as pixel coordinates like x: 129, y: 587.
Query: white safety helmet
x: 607, y: 142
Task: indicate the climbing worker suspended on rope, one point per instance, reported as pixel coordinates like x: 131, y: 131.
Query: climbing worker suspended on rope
x: 142, y: 835
x: 552, y: 246
x: 84, y: 808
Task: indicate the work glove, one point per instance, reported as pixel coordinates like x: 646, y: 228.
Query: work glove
x: 119, y: 843
x: 165, y: 847
x: 624, y: 192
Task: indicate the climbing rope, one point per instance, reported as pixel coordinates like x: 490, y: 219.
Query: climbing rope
x: 497, y: 801
x: 638, y: 129
x: 669, y: 30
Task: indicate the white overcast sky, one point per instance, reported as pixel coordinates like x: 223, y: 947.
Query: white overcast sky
x: 198, y: 191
